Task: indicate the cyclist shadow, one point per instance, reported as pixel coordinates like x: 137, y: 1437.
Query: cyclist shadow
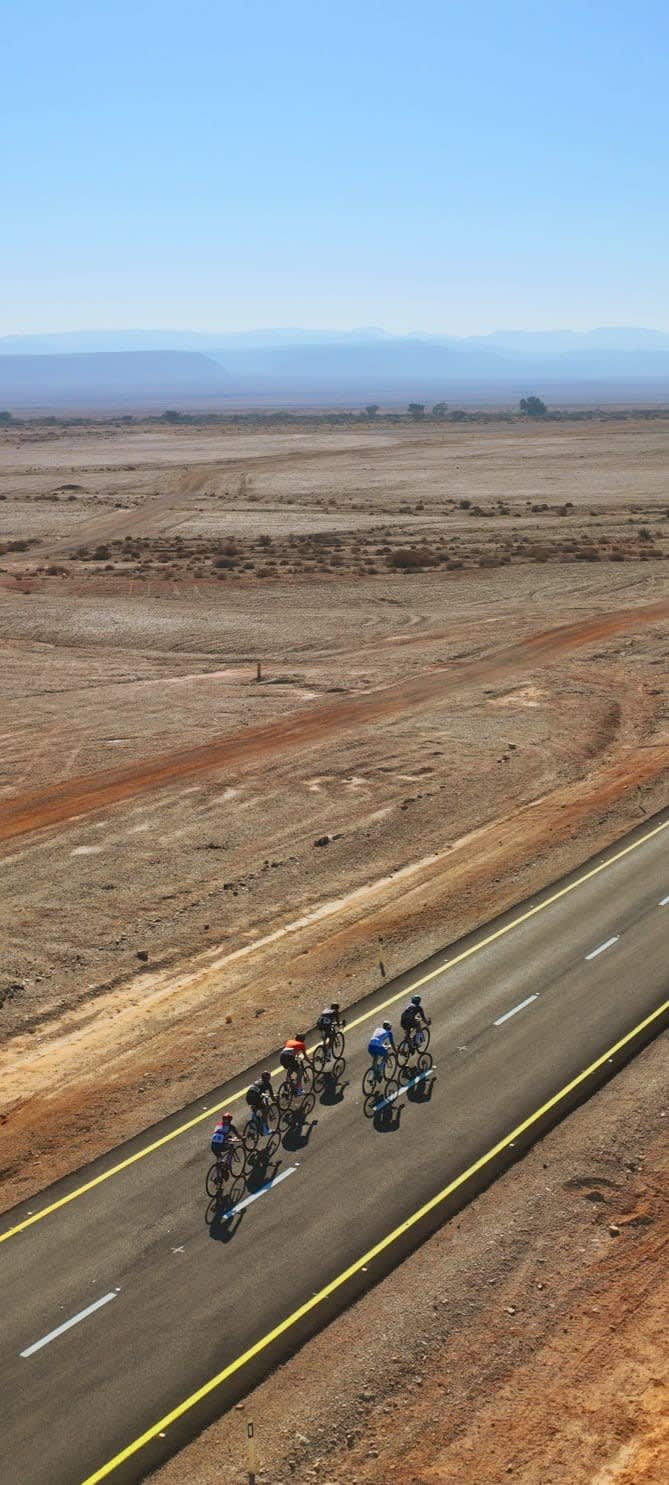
x: 264, y: 1168
x: 386, y: 1118
x: 330, y: 1089
x: 223, y: 1227
x: 297, y: 1133
x: 421, y: 1092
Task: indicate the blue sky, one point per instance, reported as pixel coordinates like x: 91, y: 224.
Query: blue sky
x: 442, y: 166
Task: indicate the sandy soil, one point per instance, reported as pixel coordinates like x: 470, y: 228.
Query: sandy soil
x: 463, y: 694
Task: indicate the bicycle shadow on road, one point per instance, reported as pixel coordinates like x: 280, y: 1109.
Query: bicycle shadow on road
x: 385, y: 1118
x: 265, y: 1167
x: 297, y: 1133
x: 330, y: 1089
x: 223, y: 1227
x: 421, y: 1092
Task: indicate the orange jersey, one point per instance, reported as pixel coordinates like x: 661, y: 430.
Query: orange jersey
x: 294, y: 1046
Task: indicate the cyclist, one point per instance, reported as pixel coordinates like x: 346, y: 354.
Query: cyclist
x: 224, y: 1138
x: 413, y: 1017
x: 328, y: 1022
x: 292, y: 1059
x: 259, y: 1097
x: 380, y: 1044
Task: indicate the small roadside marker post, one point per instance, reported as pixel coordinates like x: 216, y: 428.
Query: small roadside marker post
x: 252, y: 1453
x: 258, y: 670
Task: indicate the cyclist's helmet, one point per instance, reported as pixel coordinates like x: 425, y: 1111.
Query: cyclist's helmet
x: 300, y: 1036
x: 335, y: 1005
x: 415, y: 1000
x: 265, y: 1077
x: 387, y: 1026
x: 227, y: 1117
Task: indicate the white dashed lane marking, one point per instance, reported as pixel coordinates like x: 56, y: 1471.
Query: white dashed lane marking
x: 515, y: 1009
x: 255, y: 1194
x: 601, y: 947
x: 67, y: 1325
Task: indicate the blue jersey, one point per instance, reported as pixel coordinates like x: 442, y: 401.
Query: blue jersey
x: 380, y: 1041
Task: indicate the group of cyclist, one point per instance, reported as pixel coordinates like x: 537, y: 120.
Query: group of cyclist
x: 382, y: 1041
x: 260, y: 1096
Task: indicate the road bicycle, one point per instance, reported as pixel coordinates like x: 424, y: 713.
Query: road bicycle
x: 413, y: 1044
x: 330, y: 1048
x: 261, y: 1124
x: 288, y: 1096
x: 227, y: 1166
x: 382, y: 1071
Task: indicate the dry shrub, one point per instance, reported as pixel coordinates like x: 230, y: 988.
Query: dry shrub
x: 412, y: 559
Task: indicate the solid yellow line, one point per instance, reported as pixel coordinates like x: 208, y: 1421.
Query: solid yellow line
x: 362, y: 1262
x: 165, y: 1139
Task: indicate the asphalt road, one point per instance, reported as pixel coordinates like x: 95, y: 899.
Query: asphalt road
x: 167, y: 1297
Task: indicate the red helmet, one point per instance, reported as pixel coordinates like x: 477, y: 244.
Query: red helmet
x: 227, y: 1117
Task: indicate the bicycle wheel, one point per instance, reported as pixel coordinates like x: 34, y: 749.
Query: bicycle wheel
x: 318, y: 1059
x: 422, y: 1039
x: 371, y: 1105
x: 338, y: 1069
x: 273, y: 1144
x: 251, y: 1134
x: 285, y: 1096
x: 307, y: 1106
x: 391, y: 1090
x: 214, y: 1180
x: 237, y: 1161
x: 370, y: 1082
x: 337, y: 1045
x: 425, y: 1062
x: 390, y: 1066
x: 406, y: 1075
x: 272, y: 1117
x: 404, y: 1051
x: 307, y: 1077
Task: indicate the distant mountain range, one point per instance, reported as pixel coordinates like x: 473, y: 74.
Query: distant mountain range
x: 149, y: 370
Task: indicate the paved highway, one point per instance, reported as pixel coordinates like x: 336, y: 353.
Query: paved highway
x: 131, y: 1313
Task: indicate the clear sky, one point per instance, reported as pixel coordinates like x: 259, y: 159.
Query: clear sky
x: 441, y: 166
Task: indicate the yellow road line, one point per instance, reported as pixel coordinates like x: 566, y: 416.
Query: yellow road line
x: 366, y: 1258
x: 165, y: 1139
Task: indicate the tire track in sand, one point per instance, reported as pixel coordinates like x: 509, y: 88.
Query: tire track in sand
x: 74, y: 797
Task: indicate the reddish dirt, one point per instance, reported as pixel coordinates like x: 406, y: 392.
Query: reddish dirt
x: 80, y: 796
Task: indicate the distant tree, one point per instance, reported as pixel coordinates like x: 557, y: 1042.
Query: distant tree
x: 440, y: 410
x: 5, y: 419
x: 533, y: 407
x: 171, y: 416
x: 416, y: 409
x: 372, y: 409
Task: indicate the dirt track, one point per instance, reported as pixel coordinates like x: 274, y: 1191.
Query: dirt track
x: 79, y: 796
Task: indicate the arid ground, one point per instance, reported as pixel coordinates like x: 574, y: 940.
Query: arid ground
x: 462, y: 640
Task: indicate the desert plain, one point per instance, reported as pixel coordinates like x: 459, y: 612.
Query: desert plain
x: 283, y: 711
